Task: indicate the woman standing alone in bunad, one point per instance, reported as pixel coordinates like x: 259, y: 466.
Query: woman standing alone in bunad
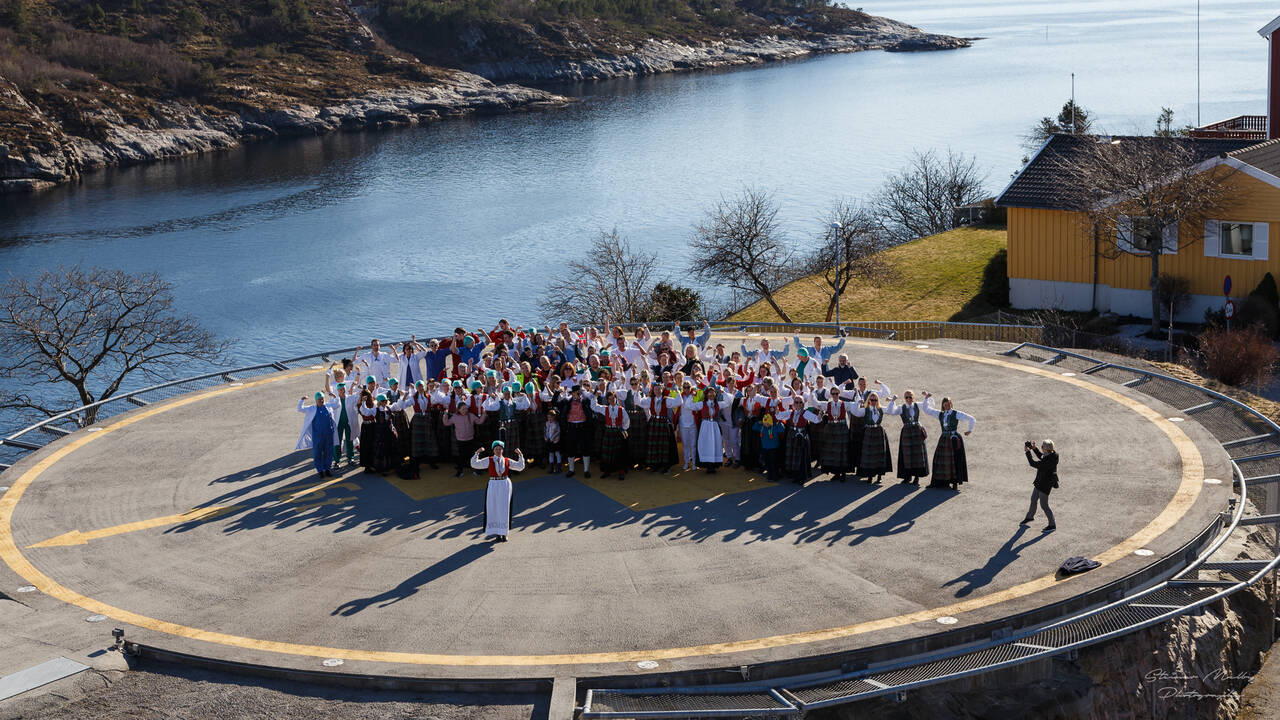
x: 498, y: 497
x: 876, y: 460
x: 949, y: 465
x: 913, y: 455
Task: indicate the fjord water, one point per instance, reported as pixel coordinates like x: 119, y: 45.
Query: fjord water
x: 298, y: 245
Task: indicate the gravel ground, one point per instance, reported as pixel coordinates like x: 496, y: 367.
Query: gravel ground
x: 179, y: 693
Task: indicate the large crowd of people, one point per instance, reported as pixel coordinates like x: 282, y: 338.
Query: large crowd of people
x: 626, y: 403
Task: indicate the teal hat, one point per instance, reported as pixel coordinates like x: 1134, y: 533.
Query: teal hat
x: 468, y: 341
x: 491, y: 373
x: 319, y: 396
x: 496, y: 443
x: 802, y: 353
x: 419, y: 384
x: 342, y: 386
x: 476, y: 385
x: 370, y: 379
x: 381, y: 398
x: 457, y: 383
x: 393, y: 381
x: 529, y: 388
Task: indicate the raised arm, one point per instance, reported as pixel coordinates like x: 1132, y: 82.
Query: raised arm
x: 705, y: 336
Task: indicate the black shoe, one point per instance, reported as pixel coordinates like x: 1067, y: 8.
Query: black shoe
x: 458, y: 474
x: 1026, y: 521
x: 569, y: 474
x: 1050, y: 528
x: 586, y: 474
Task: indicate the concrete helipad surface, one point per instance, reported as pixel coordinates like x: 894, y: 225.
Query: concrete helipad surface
x: 194, y: 524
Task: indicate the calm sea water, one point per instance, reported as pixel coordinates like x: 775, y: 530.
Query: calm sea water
x: 299, y: 245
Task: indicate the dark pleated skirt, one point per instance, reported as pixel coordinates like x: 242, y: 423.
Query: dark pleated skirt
x: 876, y: 459
x: 913, y: 456
x: 949, y: 464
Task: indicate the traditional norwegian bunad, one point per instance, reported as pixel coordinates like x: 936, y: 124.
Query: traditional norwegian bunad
x: 419, y: 427
x: 834, y: 455
x: 660, y: 446
x: 399, y: 419
x: 638, y: 432
x: 437, y: 439
x: 729, y: 427
x: 950, y: 467
x: 498, y: 496
x: 752, y: 411
x: 534, y: 429
x: 710, y: 439
x: 507, y: 427
x: 913, y: 455
x: 857, y: 425
x: 368, y: 435
x: 613, y: 443
x: 799, y: 460
x: 382, y: 436
x: 876, y: 460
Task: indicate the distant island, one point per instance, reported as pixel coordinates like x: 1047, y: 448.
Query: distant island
x: 114, y: 82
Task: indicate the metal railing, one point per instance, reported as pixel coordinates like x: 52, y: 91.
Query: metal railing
x: 1249, y: 438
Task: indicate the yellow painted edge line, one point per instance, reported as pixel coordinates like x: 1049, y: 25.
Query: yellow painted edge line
x: 1186, y: 495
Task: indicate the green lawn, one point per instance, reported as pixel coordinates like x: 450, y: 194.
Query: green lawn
x: 937, y: 278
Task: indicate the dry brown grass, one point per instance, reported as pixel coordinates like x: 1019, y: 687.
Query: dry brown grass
x: 935, y: 278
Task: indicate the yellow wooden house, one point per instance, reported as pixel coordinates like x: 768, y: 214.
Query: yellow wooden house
x: 1056, y: 262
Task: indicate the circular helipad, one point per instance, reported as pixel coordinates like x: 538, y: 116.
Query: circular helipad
x: 195, y: 523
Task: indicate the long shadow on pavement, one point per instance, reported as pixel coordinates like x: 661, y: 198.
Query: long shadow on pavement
x: 983, y: 576
x: 410, y: 587
x: 553, y: 503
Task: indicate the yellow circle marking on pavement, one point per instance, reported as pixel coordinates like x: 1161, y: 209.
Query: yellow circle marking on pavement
x: 1186, y: 495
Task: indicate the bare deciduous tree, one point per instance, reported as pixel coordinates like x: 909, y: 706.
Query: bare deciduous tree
x: 1135, y: 193
x: 738, y: 245
x: 921, y: 200
x: 91, y: 330
x: 849, y: 249
x: 611, y: 281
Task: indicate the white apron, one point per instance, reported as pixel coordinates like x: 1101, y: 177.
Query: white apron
x: 710, y: 443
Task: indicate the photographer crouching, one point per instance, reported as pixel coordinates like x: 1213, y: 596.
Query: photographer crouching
x: 1046, y: 464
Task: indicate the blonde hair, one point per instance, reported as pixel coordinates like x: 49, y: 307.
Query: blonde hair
x: 1048, y: 444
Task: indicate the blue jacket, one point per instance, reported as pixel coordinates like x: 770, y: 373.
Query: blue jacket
x: 825, y: 354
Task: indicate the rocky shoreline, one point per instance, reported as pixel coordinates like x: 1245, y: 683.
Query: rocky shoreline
x: 38, y: 151
x: 177, y: 129
x: 661, y: 56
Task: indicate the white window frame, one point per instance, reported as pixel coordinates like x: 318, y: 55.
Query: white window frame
x: 1213, y: 240
x: 1124, y: 235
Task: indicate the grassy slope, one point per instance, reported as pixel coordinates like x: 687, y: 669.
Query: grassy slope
x: 938, y: 278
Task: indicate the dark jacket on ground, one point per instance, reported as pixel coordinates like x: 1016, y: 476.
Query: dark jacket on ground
x: 1046, y: 465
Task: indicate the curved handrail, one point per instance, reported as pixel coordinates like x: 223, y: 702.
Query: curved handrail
x: 875, y: 688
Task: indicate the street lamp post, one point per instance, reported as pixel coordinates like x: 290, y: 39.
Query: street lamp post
x: 835, y: 232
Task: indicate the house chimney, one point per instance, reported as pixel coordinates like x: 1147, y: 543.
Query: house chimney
x: 1273, y: 78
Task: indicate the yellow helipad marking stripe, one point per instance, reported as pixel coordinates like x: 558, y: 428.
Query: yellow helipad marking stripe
x: 1184, y: 498
x: 75, y: 537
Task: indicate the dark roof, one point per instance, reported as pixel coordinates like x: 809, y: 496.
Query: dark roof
x: 1038, y: 185
x: 1265, y: 156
